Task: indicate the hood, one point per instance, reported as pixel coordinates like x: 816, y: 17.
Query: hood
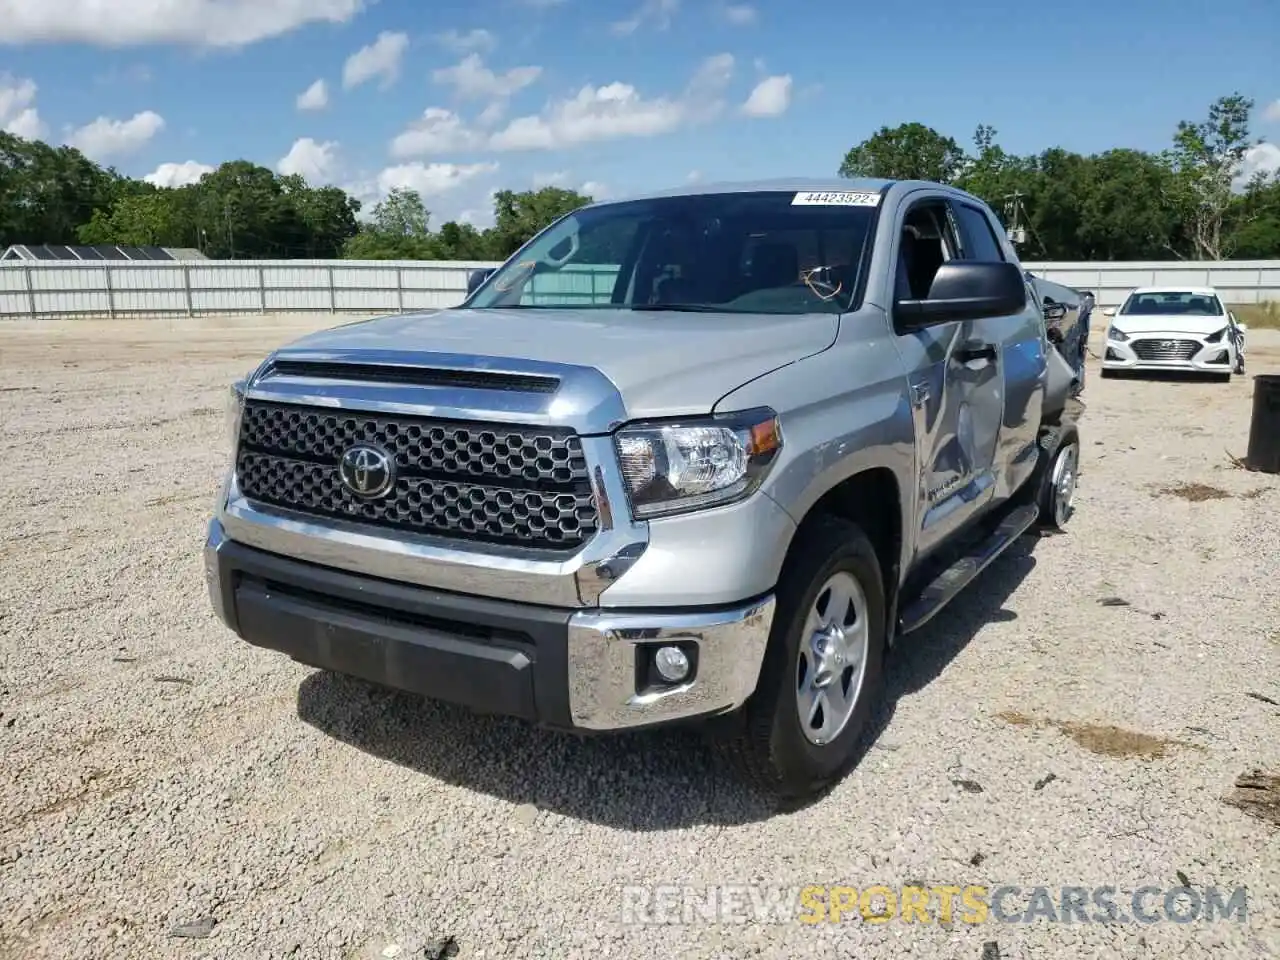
x: 1167, y: 323
x: 663, y: 364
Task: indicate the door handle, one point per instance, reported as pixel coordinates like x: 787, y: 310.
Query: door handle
x: 971, y: 351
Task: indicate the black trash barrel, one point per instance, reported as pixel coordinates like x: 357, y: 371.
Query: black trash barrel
x: 1264, y: 428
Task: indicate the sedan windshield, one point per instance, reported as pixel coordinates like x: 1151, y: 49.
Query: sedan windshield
x: 1178, y: 303
x: 775, y: 252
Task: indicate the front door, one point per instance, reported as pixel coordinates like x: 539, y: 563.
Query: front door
x: 956, y: 385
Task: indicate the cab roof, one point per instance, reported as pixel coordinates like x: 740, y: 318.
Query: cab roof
x: 786, y: 184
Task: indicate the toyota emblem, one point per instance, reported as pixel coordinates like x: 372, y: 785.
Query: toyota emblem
x: 367, y: 471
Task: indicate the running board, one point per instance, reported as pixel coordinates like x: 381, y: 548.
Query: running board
x: 960, y: 574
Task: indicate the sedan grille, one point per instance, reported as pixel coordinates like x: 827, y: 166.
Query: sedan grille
x: 521, y: 486
x: 1165, y: 351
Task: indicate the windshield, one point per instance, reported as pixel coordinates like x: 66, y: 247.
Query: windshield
x: 1172, y: 302
x: 764, y: 252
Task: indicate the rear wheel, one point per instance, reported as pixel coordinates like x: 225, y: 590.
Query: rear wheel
x: 822, y: 672
x: 1052, y: 485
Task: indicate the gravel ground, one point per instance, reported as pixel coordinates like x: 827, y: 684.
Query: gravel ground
x: 159, y: 774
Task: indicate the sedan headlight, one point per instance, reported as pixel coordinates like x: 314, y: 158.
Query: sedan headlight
x: 672, y: 468
x: 1115, y: 333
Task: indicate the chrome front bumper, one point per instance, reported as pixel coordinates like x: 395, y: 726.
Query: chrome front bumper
x: 564, y: 668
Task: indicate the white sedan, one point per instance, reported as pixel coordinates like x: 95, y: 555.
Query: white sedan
x: 1174, y: 328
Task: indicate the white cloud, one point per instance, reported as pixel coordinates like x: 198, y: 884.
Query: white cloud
x: 472, y: 80
x: 491, y: 114
x: 695, y: 176
x: 557, y: 179
x: 378, y: 59
x: 595, y: 190
x: 18, y: 114
x: 432, y: 179
x: 618, y: 110
x: 1271, y: 112
x: 770, y: 98
x: 739, y: 14
x: 437, y: 131
x: 178, y: 174
x: 658, y: 13
x: 105, y: 138
x: 211, y: 23
x: 459, y: 42
x: 1262, y: 158
x: 318, y: 163
x: 315, y: 97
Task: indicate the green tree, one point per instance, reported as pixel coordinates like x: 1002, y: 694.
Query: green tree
x: 518, y: 216
x: 1206, y: 158
x: 398, y: 229
x: 911, y: 151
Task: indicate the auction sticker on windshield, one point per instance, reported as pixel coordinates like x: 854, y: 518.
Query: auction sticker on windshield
x: 836, y: 199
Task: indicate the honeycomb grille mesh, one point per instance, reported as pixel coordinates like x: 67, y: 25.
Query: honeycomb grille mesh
x: 524, y: 486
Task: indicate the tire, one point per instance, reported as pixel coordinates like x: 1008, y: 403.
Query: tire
x: 1055, y: 477
x: 767, y: 740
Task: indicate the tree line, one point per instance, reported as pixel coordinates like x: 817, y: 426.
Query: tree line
x: 1184, y: 202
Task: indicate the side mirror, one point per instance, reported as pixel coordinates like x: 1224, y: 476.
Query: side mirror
x: 1242, y: 327
x: 966, y: 290
x: 477, y: 277
x: 1055, y: 311
x: 1108, y: 311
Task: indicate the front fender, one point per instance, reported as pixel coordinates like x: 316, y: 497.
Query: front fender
x: 842, y: 412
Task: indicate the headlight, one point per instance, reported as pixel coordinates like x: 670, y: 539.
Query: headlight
x: 1215, y: 337
x: 1113, y: 333
x: 235, y: 406
x: 672, y: 468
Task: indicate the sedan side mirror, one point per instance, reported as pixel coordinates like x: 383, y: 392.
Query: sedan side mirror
x: 477, y: 277
x: 1108, y: 311
x: 1055, y: 311
x: 966, y: 290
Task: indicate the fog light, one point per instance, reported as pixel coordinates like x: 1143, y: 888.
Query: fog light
x: 671, y: 663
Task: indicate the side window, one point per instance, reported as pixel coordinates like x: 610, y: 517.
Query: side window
x: 927, y: 241
x: 980, y: 240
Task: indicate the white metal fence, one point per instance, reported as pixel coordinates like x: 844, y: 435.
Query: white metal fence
x: 38, y: 290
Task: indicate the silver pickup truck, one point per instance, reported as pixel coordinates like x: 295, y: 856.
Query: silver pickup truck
x: 698, y: 455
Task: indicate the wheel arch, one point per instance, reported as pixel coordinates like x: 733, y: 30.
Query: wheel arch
x: 871, y: 498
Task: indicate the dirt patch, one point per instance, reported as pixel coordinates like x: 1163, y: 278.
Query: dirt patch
x: 1257, y: 794
x: 1197, y: 492
x: 1016, y: 719
x: 1104, y: 740
x: 1254, y: 494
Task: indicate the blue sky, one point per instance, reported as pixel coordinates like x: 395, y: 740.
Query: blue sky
x: 460, y: 98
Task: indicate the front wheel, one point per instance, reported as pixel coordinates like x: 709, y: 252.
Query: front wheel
x: 823, y: 667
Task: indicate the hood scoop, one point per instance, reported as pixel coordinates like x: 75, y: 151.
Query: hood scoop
x: 417, y: 376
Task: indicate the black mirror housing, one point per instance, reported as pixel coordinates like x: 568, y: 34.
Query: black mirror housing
x: 1055, y: 311
x: 966, y: 290
x: 477, y: 277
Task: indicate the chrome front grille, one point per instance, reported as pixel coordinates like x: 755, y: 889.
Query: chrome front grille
x: 522, y: 486
x: 1165, y: 351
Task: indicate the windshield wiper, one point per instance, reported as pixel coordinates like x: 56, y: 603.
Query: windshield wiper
x: 681, y: 307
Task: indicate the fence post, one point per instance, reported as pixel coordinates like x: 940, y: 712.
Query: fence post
x: 333, y: 300
x: 186, y: 286
x: 111, y: 297
x: 262, y: 290
x: 31, y: 291
x: 399, y: 290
